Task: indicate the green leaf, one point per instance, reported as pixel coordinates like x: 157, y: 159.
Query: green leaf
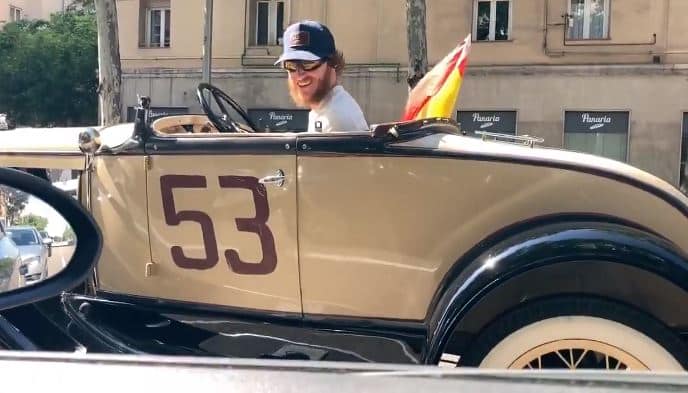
x: 48, y: 69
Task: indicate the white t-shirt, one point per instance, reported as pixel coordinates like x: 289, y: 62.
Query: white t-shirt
x: 338, y: 112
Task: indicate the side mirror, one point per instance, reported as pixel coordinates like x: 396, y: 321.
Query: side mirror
x: 25, y: 275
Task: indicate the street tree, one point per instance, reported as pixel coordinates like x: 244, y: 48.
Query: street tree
x: 34, y: 220
x: 48, y: 70
x: 76, y: 5
x: 12, y: 203
x: 417, y: 41
x: 68, y: 234
x: 109, y: 66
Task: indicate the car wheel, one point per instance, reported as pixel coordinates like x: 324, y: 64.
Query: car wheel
x: 577, y: 333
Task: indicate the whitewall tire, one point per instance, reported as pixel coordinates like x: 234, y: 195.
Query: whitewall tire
x: 570, y: 340
x: 577, y: 333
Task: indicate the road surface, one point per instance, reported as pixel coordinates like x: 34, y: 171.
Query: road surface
x: 59, y: 259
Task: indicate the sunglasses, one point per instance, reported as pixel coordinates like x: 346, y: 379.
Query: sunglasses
x: 293, y: 65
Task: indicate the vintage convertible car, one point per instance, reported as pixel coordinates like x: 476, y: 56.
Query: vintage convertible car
x: 144, y: 372
x: 410, y: 243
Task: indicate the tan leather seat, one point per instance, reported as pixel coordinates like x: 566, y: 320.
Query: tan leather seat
x: 174, y: 124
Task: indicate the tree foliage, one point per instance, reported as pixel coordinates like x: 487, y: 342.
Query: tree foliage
x: 68, y: 234
x: 49, y: 70
x: 34, y: 220
x: 12, y: 202
x: 77, y: 5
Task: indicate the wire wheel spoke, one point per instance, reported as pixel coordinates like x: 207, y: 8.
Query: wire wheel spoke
x: 580, y: 358
x: 563, y: 359
x: 574, y: 354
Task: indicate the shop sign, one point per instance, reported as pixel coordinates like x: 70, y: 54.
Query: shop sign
x: 502, y: 122
x: 614, y: 122
x: 157, y: 112
x: 280, y: 120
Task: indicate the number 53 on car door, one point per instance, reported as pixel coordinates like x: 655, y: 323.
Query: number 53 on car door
x: 257, y: 225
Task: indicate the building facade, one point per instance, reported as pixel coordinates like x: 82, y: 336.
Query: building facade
x: 602, y: 76
x: 14, y: 10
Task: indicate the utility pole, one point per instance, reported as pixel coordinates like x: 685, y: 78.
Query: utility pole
x: 109, y: 67
x: 417, y: 41
x: 207, y: 40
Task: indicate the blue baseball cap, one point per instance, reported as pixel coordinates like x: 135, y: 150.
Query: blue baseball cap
x: 307, y: 40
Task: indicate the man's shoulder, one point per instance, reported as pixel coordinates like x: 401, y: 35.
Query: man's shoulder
x: 343, y: 103
x: 341, y: 94
x: 342, y: 113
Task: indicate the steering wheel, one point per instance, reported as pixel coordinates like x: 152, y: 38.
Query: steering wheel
x: 223, y: 122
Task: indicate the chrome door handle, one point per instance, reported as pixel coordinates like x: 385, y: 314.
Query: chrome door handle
x: 277, y: 178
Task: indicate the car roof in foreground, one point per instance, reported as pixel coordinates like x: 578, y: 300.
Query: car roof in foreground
x: 174, y: 373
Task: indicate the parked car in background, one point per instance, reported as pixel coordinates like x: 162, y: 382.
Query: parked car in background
x: 47, y: 239
x: 34, y: 252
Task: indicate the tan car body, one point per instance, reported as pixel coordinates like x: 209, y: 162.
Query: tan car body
x: 357, y: 235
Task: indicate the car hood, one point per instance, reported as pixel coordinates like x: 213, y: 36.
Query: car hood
x: 29, y: 251
x: 475, y: 148
x: 54, y: 147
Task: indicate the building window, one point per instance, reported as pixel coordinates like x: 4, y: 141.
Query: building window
x: 266, y: 22
x: 158, y: 27
x: 155, y: 24
x: 15, y: 14
x: 600, y: 133
x: 588, y: 19
x: 492, y: 20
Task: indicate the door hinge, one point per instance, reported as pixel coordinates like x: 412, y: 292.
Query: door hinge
x: 149, y: 163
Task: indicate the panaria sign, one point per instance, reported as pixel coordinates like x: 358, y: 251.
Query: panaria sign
x: 503, y: 122
x: 276, y: 120
x: 615, y: 122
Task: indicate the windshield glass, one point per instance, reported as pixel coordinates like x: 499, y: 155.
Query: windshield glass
x: 23, y: 237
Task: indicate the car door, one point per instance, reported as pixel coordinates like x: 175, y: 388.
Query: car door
x: 222, y: 220
x: 380, y: 227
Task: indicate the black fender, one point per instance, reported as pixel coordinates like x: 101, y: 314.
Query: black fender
x: 607, y: 259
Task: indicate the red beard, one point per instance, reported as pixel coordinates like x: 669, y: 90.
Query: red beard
x: 323, y: 88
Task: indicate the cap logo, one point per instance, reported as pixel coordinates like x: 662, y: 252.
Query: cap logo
x: 301, y: 38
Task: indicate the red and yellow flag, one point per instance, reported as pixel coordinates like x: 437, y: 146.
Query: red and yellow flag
x: 436, y: 93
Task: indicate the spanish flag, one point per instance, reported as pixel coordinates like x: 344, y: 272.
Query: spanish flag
x: 436, y: 93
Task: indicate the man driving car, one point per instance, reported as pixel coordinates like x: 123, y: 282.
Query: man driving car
x: 314, y: 66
